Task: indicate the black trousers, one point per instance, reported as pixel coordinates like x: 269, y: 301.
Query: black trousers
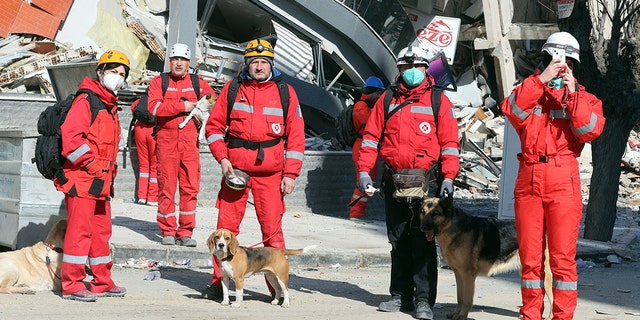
x: 414, y: 261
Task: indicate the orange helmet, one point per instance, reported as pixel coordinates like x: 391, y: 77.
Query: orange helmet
x: 258, y: 48
x: 114, y: 56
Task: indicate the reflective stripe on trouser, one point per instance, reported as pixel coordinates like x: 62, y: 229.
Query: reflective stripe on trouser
x: 548, y: 200
x: 87, y: 237
x: 148, y: 178
x: 359, y: 208
x: 269, y: 205
x: 178, y: 162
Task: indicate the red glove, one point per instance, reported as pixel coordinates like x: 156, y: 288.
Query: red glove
x: 93, y: 168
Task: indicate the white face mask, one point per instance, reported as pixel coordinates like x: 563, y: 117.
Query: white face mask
x: 112, y: 82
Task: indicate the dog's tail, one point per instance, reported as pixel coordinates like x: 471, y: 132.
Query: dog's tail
x: 293, y: 252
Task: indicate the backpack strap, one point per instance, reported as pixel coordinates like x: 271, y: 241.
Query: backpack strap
x: 283, y: 89
x: 165, y: 83
x: 195, y: 82
x: 94, y: 102
x: 232, y: 92
x: 436, y: 98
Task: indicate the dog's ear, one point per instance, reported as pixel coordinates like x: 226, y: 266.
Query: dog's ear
x: 233, y: 244
x: 57, y: 233
x: 211, y: 242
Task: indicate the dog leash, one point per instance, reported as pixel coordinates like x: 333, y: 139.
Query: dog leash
x: 48, y: 260
x: 267, y: 239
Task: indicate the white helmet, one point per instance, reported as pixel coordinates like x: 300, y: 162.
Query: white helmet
x: 412, y: 55
x: 562, y: 40
x: 180, y: 50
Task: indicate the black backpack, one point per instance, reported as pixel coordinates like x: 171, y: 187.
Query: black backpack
x: 48, y: 156
x: 346, y: 132
x: 141, y: 112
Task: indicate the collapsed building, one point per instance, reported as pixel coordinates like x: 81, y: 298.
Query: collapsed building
x: 325, y: 49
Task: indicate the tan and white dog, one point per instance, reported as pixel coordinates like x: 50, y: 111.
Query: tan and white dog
x: 201, y: 113
x: 238, y: 263
x: 34, y: 268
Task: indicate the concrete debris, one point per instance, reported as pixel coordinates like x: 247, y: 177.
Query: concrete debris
x: 36, y: 63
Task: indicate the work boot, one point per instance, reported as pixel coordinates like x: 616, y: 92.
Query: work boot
x: 212, y: 292
x: 187, y: 242
x: 423, y: 311
x: 114, y: 292
x: 82, y: 295
x: 168, y: 240
x: 395, y: 305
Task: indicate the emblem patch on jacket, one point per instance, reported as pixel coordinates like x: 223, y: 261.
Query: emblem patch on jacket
x: 425, y: 127
x: 276, y: 128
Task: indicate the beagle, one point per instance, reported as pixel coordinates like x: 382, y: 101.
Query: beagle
x: 238, y: 262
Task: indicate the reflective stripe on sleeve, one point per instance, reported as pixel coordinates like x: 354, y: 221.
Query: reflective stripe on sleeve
x: 75, y: 155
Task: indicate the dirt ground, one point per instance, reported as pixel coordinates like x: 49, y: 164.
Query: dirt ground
x: 321, y: 293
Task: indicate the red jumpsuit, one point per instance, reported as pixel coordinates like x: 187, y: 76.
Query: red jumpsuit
x: 87, y: 196
x: 146, y: 146
x: 178, y: 154
x: 361, y: 112
x: 257, y: 116
x: 548, y: 200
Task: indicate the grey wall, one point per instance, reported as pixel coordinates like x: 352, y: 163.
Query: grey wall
x: 324, y: 187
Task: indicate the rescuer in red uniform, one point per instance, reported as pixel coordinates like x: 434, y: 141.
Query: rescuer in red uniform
x: 554, y: 117
x: 90, y: 146
x: 177, y: 149
x: 256, y: 131
x: 410, y: 140
x: 146, y: 148
x: 372, y: 89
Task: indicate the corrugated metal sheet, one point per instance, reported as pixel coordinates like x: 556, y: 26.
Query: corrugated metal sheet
x: 292, y: 55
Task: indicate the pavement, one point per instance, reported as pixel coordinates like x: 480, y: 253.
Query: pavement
x: 341, y: 242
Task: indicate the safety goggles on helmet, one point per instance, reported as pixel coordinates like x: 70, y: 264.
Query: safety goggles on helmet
x: 569, y: 51
x: 412, y: 55
x: 258, y: 48
x: 562, y: 41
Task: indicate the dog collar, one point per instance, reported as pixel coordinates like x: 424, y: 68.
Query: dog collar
x: 52, y: 247
x: 227, y: 258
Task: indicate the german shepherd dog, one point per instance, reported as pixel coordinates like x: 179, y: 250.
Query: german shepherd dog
x: 473, y: 246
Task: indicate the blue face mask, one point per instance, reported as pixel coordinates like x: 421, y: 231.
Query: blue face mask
x: 556, y: 83
x: 413, y: 77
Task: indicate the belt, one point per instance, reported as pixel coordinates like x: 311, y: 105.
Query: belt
x: 543, y: 158
x: 252, y: 145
